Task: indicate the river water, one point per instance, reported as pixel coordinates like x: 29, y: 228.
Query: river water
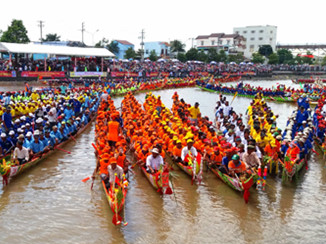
x: 50, y: 203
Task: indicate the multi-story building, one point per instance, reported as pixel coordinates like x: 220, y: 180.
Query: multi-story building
x: 162, y: 49
x: 230, y: 43
x: 257, y: 36
x: 123, y: 47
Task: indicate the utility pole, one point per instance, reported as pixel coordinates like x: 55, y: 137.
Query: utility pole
x: 41, y: 26
x: 142, y: 37
x: 82, y: 31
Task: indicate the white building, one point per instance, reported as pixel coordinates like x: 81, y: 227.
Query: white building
x: 257, y: 36
x: 230, y: 43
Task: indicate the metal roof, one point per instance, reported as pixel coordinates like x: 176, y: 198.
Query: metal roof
x: 51, y: 49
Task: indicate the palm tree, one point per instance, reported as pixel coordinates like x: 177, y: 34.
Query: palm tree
x: 177, y: 46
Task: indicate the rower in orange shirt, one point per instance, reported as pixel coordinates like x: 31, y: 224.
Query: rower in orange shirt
x: 293, y: 152
x: 236, y: 166
x: 177, y: 151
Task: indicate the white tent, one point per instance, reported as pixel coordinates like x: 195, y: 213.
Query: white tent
x: 56, y: 50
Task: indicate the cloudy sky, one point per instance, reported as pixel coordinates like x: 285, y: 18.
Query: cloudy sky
x: 298, y: 21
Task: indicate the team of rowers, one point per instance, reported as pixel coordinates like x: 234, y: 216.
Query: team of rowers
x: 230, y: 146
x: 247, y: 89
x: 35, y: 122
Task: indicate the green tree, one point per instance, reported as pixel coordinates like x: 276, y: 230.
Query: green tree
x: 51, y: 37
x: 265, y: 50
x: 130, y: 53
x: 152, y: 56
x: 202, y: 56
x: 273, y: 59
x: 285, y: 56
x: 16, y: 33
x: 139, y: 53
x: 192, y: 54
x: 298, y: 60
x: 323, y: 62
x: 177, y: 46
x: 102, y: 43
x: 238, y: 58
x: 182, y: 57
x: 307, y: 60
x: 212, y: 55
x: 222, y: 56
x: 257, y: 58
x: 113, y: 47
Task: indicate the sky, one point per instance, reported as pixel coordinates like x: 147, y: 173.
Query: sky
x: 298, y: 22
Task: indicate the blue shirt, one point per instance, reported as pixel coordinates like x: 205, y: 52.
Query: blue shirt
x: 7, y: 118
x: 6, y: 145
x: 36, y: 147
x: 225, y: 162
x: 68, y: 113
x: 50, y: 140
x: 57, y: 135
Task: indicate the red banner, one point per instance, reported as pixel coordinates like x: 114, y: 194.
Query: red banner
x: 118, y: 74
x: 43, y: 74
x: 152, y: 74
x: 5, y: 74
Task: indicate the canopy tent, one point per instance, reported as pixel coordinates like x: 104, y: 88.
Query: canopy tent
x: 56, y: 50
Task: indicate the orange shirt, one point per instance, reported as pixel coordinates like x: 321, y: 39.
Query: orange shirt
x: 177, y: 151
x: 121, y: 160
x: 104, y: 167
x: 216, y: 158
x: 237, y: 169
x: 293, y: 152
x: 113, y: 131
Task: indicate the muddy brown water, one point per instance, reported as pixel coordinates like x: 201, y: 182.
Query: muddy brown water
x: 50, y: 204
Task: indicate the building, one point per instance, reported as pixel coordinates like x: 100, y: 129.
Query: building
x: 257, y: 36
x: 162, y: 49
x: 123, y: 47
x: 230, y: 43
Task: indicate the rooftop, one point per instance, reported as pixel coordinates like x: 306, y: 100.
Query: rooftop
x: 124, y: 42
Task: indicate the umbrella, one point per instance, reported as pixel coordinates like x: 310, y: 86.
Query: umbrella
x: 243, y: 63
x: 175, y: 60
x: 147, y: 60
x: 232, y: 62
x: 131, y: 59
x: 250, y: 63
x: 213, y: 62
x: 125, y: 60
x: 161, y: 60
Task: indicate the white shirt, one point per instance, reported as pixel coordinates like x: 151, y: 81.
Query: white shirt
x: 104, y: 96
x: 52, y: 115
x: 226, y: 110
x: 118, y: 170
x: 20, y: 154
x: 185, y: 151
x: 154, y: 163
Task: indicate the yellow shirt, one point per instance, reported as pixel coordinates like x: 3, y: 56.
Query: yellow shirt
x: 194, y: 112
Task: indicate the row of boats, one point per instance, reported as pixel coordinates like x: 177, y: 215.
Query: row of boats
x: 150, y: 125
x: 171, y: 129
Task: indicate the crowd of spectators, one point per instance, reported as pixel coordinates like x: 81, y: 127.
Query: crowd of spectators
x: 173, y: 67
